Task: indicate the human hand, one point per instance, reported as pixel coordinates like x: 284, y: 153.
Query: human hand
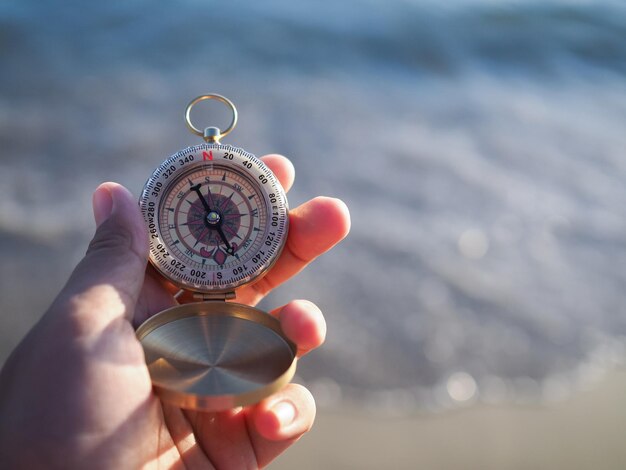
x: 76, y: 392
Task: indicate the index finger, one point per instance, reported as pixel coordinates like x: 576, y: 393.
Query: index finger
x: 282, y: 168
x: 314, y: 228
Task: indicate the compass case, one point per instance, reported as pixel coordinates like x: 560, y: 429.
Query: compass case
x: 217, y: 219
x: 216, y: 355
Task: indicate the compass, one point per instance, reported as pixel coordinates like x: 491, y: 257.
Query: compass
x: 217, y: 219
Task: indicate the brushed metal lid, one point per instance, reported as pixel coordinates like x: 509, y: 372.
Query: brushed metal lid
x: 216, y: 355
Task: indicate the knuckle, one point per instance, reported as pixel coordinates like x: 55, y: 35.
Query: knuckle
x: 109, y: 237
x: 114, y: 240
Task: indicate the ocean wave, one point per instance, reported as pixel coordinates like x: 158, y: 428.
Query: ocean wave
x: 488, y: 137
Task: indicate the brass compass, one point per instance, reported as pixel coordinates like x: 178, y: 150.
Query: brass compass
x: 217, y: 219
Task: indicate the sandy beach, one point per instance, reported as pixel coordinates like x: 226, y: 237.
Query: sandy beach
x: 585, y: 432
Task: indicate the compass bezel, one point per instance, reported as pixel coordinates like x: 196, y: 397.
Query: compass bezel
x: 196, y: 158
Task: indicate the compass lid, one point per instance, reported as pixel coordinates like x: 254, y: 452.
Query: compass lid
x: 212, y: 356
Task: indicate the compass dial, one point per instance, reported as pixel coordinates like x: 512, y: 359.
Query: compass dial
x: 217, y: 218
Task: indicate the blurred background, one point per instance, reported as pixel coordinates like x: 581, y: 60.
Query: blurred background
x: 476, y: 312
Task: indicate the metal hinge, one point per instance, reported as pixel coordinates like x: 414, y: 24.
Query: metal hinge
x: 214, y: 296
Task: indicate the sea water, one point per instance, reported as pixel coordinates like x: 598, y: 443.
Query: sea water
x: 478, y: 144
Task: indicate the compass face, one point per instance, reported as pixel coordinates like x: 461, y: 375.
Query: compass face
x: 217, y: 218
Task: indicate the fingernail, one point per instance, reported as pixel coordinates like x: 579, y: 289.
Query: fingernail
x: 102, y: 204
x: 285, y: 412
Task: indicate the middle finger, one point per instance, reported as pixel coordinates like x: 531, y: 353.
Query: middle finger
x: 303, y: 323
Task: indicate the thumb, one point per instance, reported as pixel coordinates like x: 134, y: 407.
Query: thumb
x: 106, y: 284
